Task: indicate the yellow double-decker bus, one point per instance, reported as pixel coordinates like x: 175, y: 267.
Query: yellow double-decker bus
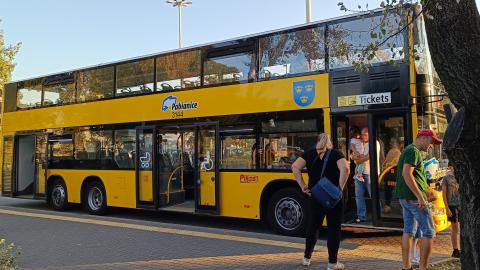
x: 214, y: 129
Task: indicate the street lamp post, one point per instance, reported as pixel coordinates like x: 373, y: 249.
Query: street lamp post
x: 179, y: 4
x: 309, y: 10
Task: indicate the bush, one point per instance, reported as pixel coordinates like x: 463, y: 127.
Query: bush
x: 8, y: 256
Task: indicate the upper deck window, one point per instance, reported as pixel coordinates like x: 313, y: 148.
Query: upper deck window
x: 229, y: 68
x: 178, y: 71
x: 347, y: 40
x: 59, y: 89
x: 29, y: 94
x: 95, y: 83
x: 135, y: 78
x: 292, y: 53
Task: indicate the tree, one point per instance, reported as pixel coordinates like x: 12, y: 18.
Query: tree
x: 453, y: 33
x: 7, y: 55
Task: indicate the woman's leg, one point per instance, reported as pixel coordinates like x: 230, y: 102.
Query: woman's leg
x: 334, y: 222
x: 455, y: 239
x: 315, y: 218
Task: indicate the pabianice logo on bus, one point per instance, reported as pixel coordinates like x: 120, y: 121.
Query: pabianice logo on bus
x: 247, y: 179
x: 177, y: 107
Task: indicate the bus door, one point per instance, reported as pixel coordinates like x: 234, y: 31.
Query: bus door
x: 389, y: 136
x: 174, y: 166
x: 207, y: 168
x: 30, y: 163
x: 144, y: 169
x: 340, y: 138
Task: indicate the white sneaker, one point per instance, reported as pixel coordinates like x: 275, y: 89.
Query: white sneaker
x: 306, y: 262
x: 335, y: 266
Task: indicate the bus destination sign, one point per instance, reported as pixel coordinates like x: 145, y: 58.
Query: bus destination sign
x: 368, y: 99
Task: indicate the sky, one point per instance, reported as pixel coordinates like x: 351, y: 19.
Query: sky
x: 60, y: 35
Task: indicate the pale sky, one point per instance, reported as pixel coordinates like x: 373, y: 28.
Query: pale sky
x: 59, y: 35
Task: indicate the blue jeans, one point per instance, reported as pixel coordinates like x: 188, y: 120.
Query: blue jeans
x: 412, y: 215
x: 360, y: 188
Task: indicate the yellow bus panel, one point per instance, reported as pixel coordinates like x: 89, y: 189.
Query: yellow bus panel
x: 242, y: 191
x: 119, y: 185
x: 274, y: 95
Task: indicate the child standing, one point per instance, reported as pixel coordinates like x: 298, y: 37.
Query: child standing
x: 451, y: 198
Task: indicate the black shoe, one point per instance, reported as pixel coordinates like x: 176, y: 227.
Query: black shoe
x: 456, y: 253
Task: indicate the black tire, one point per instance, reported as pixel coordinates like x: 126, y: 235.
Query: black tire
x: 58, y: 196
x: 287, y: 211
x: 95, y: 198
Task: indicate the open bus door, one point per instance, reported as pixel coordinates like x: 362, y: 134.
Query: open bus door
x: 30, y: 165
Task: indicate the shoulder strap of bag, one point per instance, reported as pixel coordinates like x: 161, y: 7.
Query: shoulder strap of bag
x: 327, y: 155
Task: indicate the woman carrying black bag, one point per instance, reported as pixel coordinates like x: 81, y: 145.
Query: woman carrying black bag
x: 336, y: 170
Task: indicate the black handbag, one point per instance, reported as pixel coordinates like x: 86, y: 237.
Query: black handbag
x: 324, y: 191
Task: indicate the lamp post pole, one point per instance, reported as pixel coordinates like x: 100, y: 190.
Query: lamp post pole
x: 179, y: 4
x: 309, y: 10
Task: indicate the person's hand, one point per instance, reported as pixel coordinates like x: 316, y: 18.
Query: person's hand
x: 449, y: 212
x: 306, y: 190
x: 422, y: 203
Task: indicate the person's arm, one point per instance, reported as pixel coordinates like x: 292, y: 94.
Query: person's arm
x: 445, y: 199
x: 344, y: 169
x: 407, y: 174
x: 297, y: 168
x: 361, y: 158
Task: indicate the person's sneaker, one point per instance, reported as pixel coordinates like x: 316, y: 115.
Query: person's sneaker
x: 306, y: 261
x: 456, y: 253
x: 358, y: 220
x: 335, y: 266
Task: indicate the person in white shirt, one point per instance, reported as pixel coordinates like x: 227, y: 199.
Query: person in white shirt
x: 362, y: 184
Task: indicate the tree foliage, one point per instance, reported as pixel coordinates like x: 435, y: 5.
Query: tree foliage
x: 7, y: 55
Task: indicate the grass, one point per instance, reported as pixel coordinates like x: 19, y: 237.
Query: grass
x: 8, y: 256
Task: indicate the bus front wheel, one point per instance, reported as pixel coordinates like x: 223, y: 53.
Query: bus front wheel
x: 95, y: 198
x: 287, y: 211
x: 58, y: 196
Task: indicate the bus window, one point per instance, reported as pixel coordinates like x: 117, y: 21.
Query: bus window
x: 124, y: 148
x: 93, y: 145
x: 238, y: 152
x: 292, y: 53
x: 135, y: 78
x: 29, y: 94
x: 229, y: 68
x: 58, y: 94
x: 178, y: 71
x: 62, y: 150
x: 348, y: 39
x: 279, y: 151
x: 95, y: 84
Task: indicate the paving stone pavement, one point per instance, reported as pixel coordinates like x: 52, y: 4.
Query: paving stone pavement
x: 382, y: 253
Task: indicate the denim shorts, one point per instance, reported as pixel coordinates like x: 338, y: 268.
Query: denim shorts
x: 415, y: 218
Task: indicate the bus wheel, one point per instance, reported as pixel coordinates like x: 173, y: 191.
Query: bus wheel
x: 58, y: 196
x: 287, y: 211
x: 95, y: 198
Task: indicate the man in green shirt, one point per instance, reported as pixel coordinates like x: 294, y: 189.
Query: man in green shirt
x: 412, y: 191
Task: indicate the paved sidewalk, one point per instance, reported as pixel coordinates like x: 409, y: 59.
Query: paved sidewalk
x: 73, y: 241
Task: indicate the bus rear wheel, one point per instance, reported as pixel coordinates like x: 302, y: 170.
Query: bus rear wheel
x: 58, y: 196
x: 287, y: 211
x: 95, y: 198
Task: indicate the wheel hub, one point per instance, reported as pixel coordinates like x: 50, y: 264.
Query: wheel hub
x: 289, y: 213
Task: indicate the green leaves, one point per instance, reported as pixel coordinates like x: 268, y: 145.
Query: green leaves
x: 7, y: 56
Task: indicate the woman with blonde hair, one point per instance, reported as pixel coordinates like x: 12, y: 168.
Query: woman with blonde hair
x: 336, y: 170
